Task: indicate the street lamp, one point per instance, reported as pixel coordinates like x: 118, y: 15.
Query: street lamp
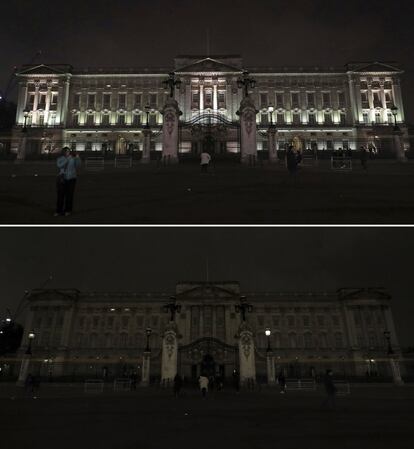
x: 172, y: 83
x: 29, y: 346
x: 147, y: 110
x: 394, y: 111
x: 26, y: 116
x: 246, y: 82
x: 172, y: 307
x: 268, y: 332
x: 148, y: 332
x: 243, y: 307
x: 270, y: 110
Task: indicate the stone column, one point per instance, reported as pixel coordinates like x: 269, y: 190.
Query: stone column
x: 201, y: 84
x: 246, y: 355
x: 248, y: 136
x: 398, y: 145
x: 169, y: 355
x: 271, y: 143
x: 21, y: 153
x: 171, y: 114
x: 146, y: 365
x: 215, y: 100
x: 146, y: 150
x: 270, y: 367
x: 395, y: 371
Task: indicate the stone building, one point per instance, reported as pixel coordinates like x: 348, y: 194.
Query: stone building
x: 122, y: 111
x: 213, y: 324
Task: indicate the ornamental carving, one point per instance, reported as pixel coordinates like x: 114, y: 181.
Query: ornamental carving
x: 169, y: 343
x: 169, y: 122
x: 246, y: 344
x: 249, y: 118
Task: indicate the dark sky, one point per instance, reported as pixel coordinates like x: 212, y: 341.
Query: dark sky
x: 264, y: 32
x: 262, y: 259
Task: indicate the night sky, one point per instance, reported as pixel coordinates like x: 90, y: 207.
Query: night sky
x: 265, y: 32
x: 262, y: 259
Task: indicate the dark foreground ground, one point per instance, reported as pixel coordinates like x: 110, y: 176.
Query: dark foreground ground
x: 371, y: 417
x: 227, y: 195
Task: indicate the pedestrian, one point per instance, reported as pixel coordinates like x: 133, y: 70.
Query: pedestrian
x: 29, y: 384
x: 236, y: 381
x: 205, y: 161
x: 68, y: 162
x: 291, y: 160
x: 61, y: 163
x: 203, y: 382
x: 329, y: 401
x: 363, y: 157
x: 281, y: 380
x: 178, y: 383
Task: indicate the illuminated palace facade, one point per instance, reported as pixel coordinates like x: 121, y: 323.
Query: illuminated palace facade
x: 80, y: 333
x: 108, y: 110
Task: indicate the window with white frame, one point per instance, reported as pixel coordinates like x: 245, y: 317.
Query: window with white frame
x: 106, y: 104
x: 311, y: 99
x: 91, y: 101
x: 280, y: 102
x: 121, y: 101
x: 295, y: 99
x: 264, y: 101
x: 326, y: 100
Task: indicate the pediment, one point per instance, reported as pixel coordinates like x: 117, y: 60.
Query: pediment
x: 43, y: 69
x: 208, y: 65
x: 364, y: 294
x: 53, y: 294
x: 374, y: 67
x: 206, y: 290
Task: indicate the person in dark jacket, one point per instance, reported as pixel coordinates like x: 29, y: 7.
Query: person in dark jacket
x: 178, y: 383
x: 330, y: 389
x: 281, y: 380
x: 291, y: 160
x: 363, y: 156
x: 236, y: 380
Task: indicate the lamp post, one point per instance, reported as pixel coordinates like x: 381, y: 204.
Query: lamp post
x: 172, y: 308
x: 243, y: 307
x: 270, y: 364
x: 245, y: 82
x: 172, y: 82
x: 26, y: 116
x: 395, y: 368
x: 24, y: 368
x: 147, y: 111
x: 270, y: 110
x: 394, y: 111
x: 148, y: 332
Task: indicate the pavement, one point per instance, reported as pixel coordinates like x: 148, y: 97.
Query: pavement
x: 228, y: 194
x: 150, y: 418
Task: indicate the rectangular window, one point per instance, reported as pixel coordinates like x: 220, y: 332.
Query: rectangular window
x: 311, y: 99
x: 208, y: 99
x: 326, y: 99
x: 280, y: 103
x: 91, y: 101
x: 280, y: 118
x: 41, y: 120
x: 264, y: 102
x: 90, y: 119
x: 78, y: 100
x: 388, y: 99
x: 264, y: 119
x: 107, y: 101
x: 137, y: 101
x: 121, y: 119
x: 122, y: 101
x: 329, y: 145
x: 295, y: 99
x: 342, y: 119
x: 328, y: 119
x: 195, y: 100
x: 377, y: 99
x: 153, y: 101
x: 105, y: 120
x: 53, y: 101
x: 291, y: 321
x: 296, y: 119
x: 312, y: 119
x: 341, y: 100
x: 42, y: 101
x: 377, y: 118
x: 136, y: 119
x: 365, y: 118
x: 222, y: 99
x: 364, y: 100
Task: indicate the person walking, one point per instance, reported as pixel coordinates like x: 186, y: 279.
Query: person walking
x: 178, y: 383
x: 61, y: 163
x: 329, y: 401
x: 281, y: 380
x: 236, y: 381
x: 72, y: 166
x: 205, y: 161
x: 291, y: 160
x: 203, y: 382
x: 363, y: 156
